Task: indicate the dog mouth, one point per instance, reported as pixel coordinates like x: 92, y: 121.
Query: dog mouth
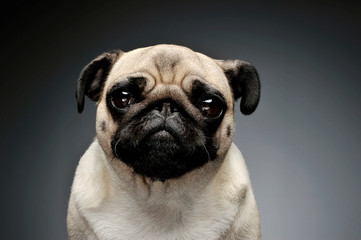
x: 161, y: 135
x: 162, y: 131
x: 163, y: 149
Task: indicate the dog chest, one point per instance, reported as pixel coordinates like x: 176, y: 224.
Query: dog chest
x: 126, y: 219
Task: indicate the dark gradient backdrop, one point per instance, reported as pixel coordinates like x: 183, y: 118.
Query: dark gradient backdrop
x: 302, y: 145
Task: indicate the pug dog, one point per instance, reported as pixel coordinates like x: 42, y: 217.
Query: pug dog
x: 163, y: 165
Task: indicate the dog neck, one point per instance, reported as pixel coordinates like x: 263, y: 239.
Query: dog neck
x: 146, y: 189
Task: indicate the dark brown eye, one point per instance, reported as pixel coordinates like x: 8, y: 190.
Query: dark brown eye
x: 122, y: 100
x: 211, y: 108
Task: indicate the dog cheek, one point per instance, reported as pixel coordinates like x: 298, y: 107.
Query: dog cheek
x: 225, y: 136
x: 104, y: 132
x: 122, y: 139
x: 103, y: 127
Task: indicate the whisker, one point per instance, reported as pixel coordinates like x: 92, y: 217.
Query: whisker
x: 115, y: 148
x: 209, y: 157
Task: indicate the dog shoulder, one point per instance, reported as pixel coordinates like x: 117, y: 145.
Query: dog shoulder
x: 233, y: 174
x: 246, y: 224
x: 92, y: 181
x: 78, y: 227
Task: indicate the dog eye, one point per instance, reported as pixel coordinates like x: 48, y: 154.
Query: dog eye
x: 211, y: 108
x: 122, y: 100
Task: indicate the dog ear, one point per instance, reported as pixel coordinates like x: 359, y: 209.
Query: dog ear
x: 93, y: 76
x: 244, y: 81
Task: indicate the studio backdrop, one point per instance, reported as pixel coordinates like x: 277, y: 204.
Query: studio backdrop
x: 301, y: 146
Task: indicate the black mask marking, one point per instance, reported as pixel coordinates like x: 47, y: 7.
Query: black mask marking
x: 163, y: 141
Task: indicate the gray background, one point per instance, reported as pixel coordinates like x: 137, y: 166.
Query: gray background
x: 302, y: 145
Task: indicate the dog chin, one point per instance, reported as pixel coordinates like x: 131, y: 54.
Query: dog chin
x: 161, y: 155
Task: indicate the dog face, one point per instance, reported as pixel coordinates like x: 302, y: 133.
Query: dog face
x: 165, y: 110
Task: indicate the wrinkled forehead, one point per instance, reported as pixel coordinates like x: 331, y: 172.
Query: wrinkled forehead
x: 168, y: 64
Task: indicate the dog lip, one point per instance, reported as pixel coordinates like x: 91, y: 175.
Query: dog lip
x: 162, y: 132
x: 171, y: 126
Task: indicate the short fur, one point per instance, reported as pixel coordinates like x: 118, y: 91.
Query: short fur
x: 187, y: 182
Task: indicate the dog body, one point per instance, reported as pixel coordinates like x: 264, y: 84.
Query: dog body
x: 163, y: 165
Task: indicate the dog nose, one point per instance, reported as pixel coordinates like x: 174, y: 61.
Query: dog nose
x: 167, y: 108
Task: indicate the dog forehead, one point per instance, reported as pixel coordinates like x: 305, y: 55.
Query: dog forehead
x: 169, y: 64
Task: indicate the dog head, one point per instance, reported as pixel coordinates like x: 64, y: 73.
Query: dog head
x: 166, y: 110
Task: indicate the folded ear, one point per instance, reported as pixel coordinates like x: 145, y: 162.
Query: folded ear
x: 93, y: 76
x: 244, y: 81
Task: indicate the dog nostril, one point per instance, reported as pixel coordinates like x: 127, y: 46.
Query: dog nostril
x: 173, y: 108
x: 166, y: 108
x: 158, y: 107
